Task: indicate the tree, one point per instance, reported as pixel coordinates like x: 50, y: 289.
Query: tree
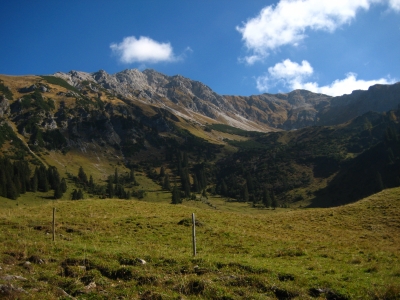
x: 58, y: 192
x: 274, y: 203
x: 110, y: 189
x: 204, y: 194
x: 245, y: 193
x: 116, y: 179
x: 132, y: 176
x: 185, y: 182
x: 63, y: 185
x: 176, y: 195
x: 224, y: 188
x: 196, y: 187
x: 266, y: 198
x: 162, y: 171
x: 166, y: 183
x: 379, y: 182
x: 91, y: 183
x: 82, y: 176
x: 34, y: 182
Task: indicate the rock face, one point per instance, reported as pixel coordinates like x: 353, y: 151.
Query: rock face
x: 194, y: 100
x: 4, y: 106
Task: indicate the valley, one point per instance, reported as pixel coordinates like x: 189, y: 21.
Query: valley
x: 296, y: 195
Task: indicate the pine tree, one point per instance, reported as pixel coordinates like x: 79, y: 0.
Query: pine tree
x: 82, y: 176
x: 91, y: 183
x: 110, y: 189
x: 379, y: 182
x: 185, y: 163
x: 34, y: 182
x: 58, y: 192
x: 63, y: 185
x: 166, y: 184
x: 132, y: 176
x: 245, y: 193
x: 162, y: 171
x: 185, y: 181
x: 249, y: 183
x: 116, y: 179
x: 274, y: 203
x: 224, y: 188
x: 196, y: 187
x: 266, y: 198
x: 204, y: 194
x: 3, y: 188
x: 176, y: 195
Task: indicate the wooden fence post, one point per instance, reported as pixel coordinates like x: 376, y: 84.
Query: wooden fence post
x: 194, y: 234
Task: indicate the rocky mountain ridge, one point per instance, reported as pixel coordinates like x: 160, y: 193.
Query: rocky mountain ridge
x: 266, y: 112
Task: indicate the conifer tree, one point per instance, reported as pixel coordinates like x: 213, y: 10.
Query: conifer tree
x: 34, y: 182
x: 58, y: 192
x: 245, y: 193
x: 274, y: 203
x: 166, y: 184
x: 266, y: 198
x: 63, y: 185
x: 132, y: 176
x: 82, y: 176
x: 110, y: 189
x: 116, y: 179
x: 204, y: 194
x: 3, y: 188
x: 162, y: 171
x: 379, y: 182
x: 91, y: 183
x: 196, y: 187
x: 224, y: 188
x: 176, y: 195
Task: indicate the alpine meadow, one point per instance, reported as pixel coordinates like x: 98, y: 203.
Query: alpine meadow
x: 190, y: 150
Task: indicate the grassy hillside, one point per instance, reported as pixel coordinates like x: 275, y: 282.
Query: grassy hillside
x: 347, y: 252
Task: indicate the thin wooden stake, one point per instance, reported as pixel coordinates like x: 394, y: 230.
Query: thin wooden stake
x: 194, y: 234
x: 54, y: 224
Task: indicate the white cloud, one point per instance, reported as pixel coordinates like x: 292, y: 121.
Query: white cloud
x: 143, y: 50
x: 287, y: 22
x: 293, y: 76
x: 287, y: 73
x: 344, y: 86
x: 395, y: 5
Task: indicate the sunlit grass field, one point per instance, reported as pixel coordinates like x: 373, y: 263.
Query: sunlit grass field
x: 348, y: 252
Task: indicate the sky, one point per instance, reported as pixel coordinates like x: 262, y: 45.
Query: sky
x: 245, y: 47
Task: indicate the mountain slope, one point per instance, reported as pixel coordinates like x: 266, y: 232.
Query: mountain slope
x: 150, y: 120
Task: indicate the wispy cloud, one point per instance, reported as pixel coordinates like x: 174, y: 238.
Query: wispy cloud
x: 287, y: 22
x: 143, y: 50
x: 292, y: 75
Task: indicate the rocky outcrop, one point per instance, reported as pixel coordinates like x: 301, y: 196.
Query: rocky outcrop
x: 4, y: 106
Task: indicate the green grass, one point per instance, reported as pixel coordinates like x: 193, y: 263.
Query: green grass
x: 234, y: 130
x: 350, y: 251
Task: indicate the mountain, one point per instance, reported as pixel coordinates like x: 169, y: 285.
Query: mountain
x: 234, y: 146
x: 267, y: 112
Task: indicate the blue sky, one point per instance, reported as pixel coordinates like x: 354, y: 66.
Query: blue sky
x: 235, y: 47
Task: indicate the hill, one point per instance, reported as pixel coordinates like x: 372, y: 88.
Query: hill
x: 175, y: 131
x: 138, y: 250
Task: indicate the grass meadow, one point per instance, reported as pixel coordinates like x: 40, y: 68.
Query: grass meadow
x: 347, y: 252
